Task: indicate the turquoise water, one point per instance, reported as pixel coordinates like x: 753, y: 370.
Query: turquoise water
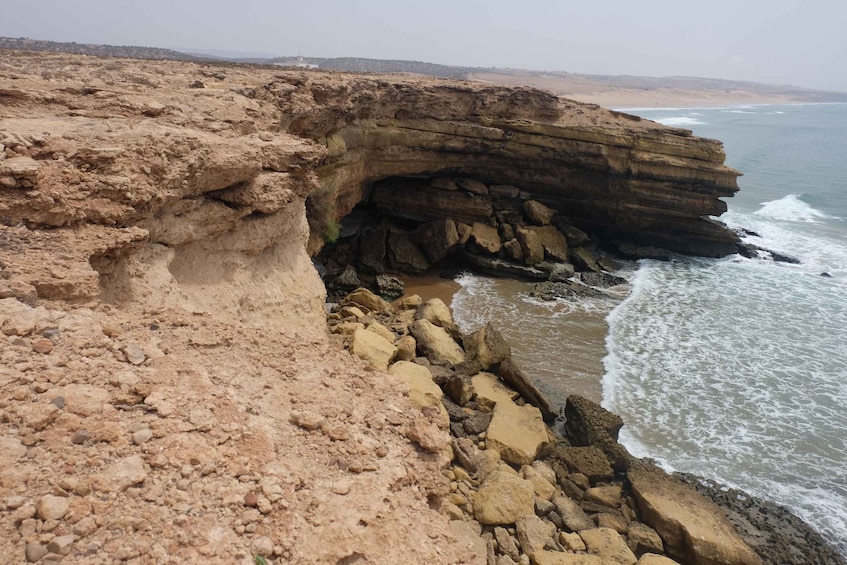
x: 734, y: 369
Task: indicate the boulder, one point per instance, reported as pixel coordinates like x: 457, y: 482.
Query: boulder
x: 517, y: 432
x: 513, y: 250
x: 588, y: 423
x: 423, y: 392
x: 485, y: 238
x: 381, y: 331
x: 608, y: 544
x: 487, y: 346
x: 573, y: 517
x: 464, y: 231
x: 436, y: 239
x: 694, y: 529
x: 538, y: 213
x: 405, y: 255
x: 473, y: 186
x: 348, y: 279
x: 367, y: 300
x: 533, y: 251
x: 443, y: 183
x: 602, y: 280
x: 503, y: 498
x: 575, y: 236
x: 434, y: 310
x: 607, y: 496
x: 481, y: 463
x: 489, y: 391
x: 557, y: 272
x: 411, y: 302
x: 406, y: 349
x: 544, y: 489
x: 533, y: 533
x: 515, y: 378
x: 559, y: 558
x: 553, y: 242
x: 642, y: 539
x: 389, y: 287
x: 655, y: 559
x: 435, y: 343
x: 506, y: 543
x: 584, y: 259
x: 373, y: 251
x: 589, y: 461
x: 374, y: 349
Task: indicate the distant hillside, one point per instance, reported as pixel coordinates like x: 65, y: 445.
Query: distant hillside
x: 607, y: 90
x: 129, y: 51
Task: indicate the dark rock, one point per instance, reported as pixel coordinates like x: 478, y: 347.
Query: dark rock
x: 590, y: 461
x: 557, y: 272
x: 575, y: 236
x: 405, y: 255
x: 507, y: 232
x: 584, y: 259
x: 373, y: 250
x: 488, y: 347
x: 443, y: 183
x: 826, y: 275
x: 513, y: 250
x: 549, y: 290
x: 538, y: 213
x: 553, y: 242
x: 436, y: 239
x: 501, y: 268
x: 608, y: 264
x: 456, y: 413
x: 533, y: 251
x: 389, y: 287
x: 472, y: 186
x: 196, y: 84
x: 633, y: 251
x: 589, y: 424
x: 478, y: 422
x: 348, y: 280
x: 58, y: 402
x: 603, y: 280
x: 80, y: 437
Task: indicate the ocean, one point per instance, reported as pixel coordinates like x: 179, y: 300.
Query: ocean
x: 734, y: 369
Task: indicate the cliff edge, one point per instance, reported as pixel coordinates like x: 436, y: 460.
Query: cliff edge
x: 169, y: 390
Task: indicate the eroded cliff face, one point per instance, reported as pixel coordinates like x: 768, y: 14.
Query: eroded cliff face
x: 155, y: 275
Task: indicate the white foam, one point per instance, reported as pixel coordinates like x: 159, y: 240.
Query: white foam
x: 790, y: 209
x: 679, y: 121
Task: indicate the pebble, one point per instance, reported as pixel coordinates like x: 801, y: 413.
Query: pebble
x: 15, y: 502
x: 263, y: 545
x: 51, y: 507
x: 35, y: 552
x: 80, y: 437
x: 52, y: 335
x: 341, y: 487
x: 58, y: 402
x: 142, y: 436
x: 134, y: 354
x: 43, y: 345
x: 61, y: 544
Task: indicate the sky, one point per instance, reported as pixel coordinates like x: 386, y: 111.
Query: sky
x: 802, y: 43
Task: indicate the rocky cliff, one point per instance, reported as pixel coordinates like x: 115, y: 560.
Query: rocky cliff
x: 164, y: 355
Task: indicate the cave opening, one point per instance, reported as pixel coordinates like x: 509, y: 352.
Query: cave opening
x: 419, y: 225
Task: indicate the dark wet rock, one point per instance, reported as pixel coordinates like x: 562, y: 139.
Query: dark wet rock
x: 826, y: 275
x: 478, y: 422
x: 566, y: 289
x: 590, y: 461
x: 603, y: 280
x: 348, y: 280
x: 389, y: 287
x: 456, y: 413
x: 588, y: 423
x: 557, y: 272
x: 633, y: 251
x: 436, y: 239
x: 405, y: 255
x: 501, y: 268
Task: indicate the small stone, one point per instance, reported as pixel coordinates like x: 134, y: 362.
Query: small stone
x: 571, y: 541
x: 35, y: 551
x: 28, y: 527
x: 341, y: 487
x: 58, y: 402
x: 85, y: 527
x: 51, y: 507
x: 263, y: 546
x: 15, y: 502
x: 80, y: 437
x: 142, y: 436
x: 251, y: 499
x: 61, y: 544
x: 264, y: 505
x: 44, y: 346
x: 134, y: 354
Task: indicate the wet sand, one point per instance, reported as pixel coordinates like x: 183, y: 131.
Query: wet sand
x: 431, y: 285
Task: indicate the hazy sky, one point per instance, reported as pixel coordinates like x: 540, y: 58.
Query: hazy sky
x: 778, y: 41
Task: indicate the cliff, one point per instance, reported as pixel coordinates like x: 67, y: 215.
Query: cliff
x: 165, y: 357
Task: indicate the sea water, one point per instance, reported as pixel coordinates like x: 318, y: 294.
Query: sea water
x: 734, y: 369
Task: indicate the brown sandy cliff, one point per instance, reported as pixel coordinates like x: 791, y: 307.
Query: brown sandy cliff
x: 168, y: 390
